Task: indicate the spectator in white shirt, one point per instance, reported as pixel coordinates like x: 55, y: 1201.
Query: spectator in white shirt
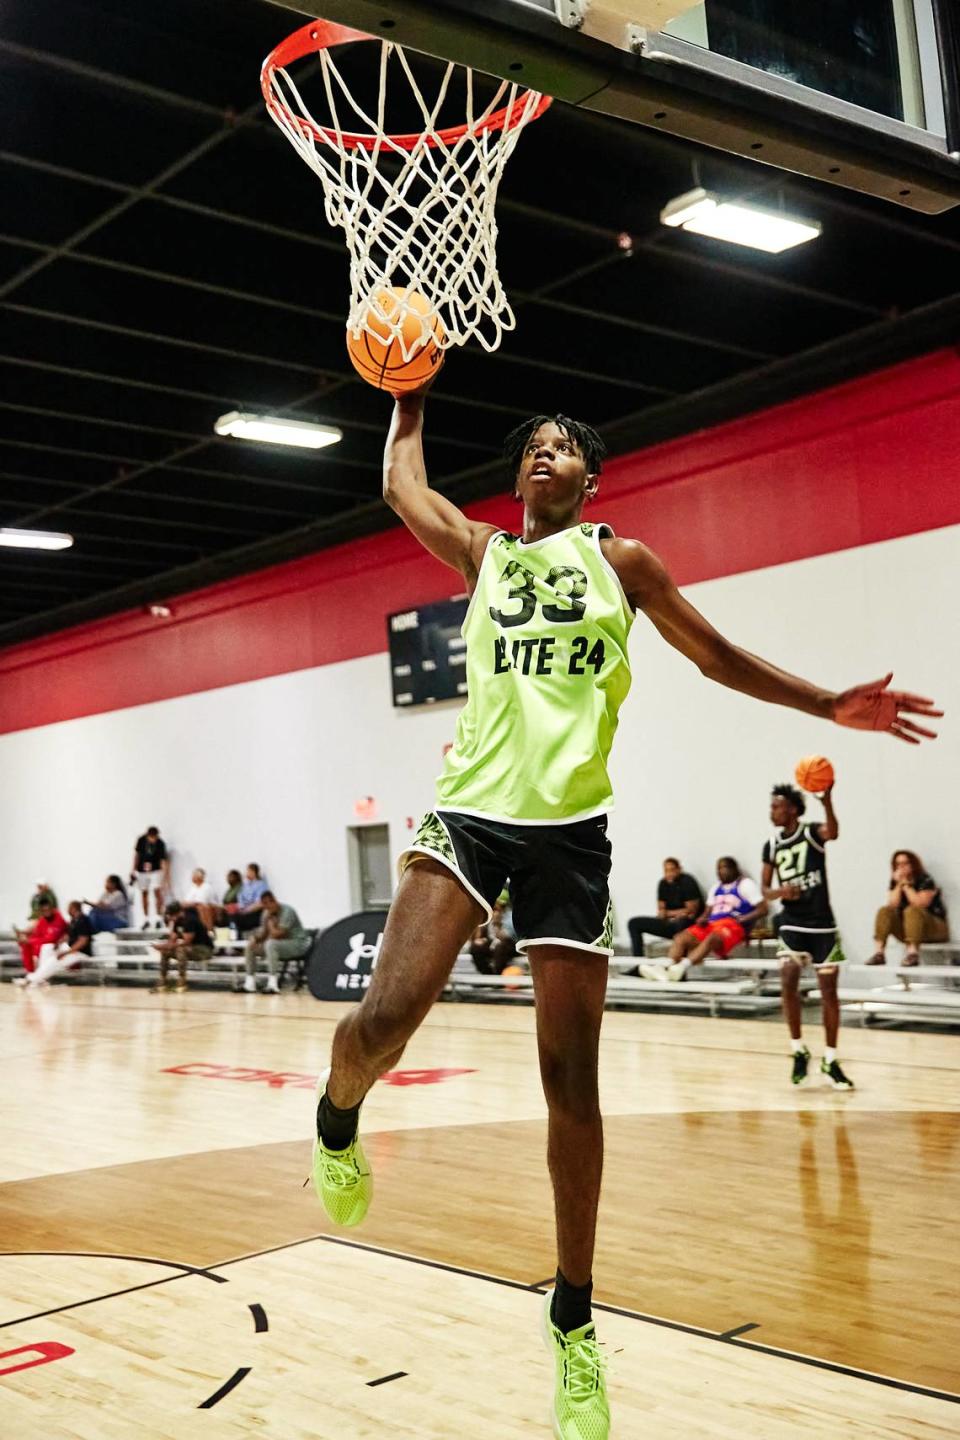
x: 203, y: 897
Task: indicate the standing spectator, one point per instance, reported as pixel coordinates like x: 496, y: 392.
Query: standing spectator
x: 150, y: 872
x: 49, y: 928
x: 732, y: 906
x: 75, y: 946
x: 249, y: 901
x: 202, y: 895
x: 679, y: 901
x: 280, y: 937
x: 494, y: 944
x: 43, y: 892
x: 188, y: 943
x: 914, y: 911
x: 112, y: 910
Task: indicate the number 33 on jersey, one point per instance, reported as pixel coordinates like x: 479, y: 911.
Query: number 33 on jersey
x: 547, y: 672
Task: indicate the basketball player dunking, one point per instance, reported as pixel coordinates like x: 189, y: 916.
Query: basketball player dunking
x: 524, y: 793
x: 808, y: 930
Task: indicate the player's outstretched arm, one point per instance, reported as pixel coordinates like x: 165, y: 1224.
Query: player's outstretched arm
x: 873, y: 706
x: 437, y: 523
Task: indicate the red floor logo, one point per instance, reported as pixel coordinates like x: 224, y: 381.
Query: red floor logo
x: 296, y: 1079
x: 46, y: 1351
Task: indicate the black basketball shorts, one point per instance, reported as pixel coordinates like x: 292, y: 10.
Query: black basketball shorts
x: 559, y: 875
x: 822, y: 946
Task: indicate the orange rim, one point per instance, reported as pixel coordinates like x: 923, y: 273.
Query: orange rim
x: 323, y: 35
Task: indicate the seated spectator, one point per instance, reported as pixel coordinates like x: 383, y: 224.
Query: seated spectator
x: 150, y: 872
x: 187, y: 942
x: 112, y: 910
x: 679, y: 900
x: 494, y: 944
x: 230, y: 903
x: 249, y: 901
x: 914, y: 911
x: 202, y: 895
x: 733, y: 904
x: 279, y: 937
x: 47, y: 931
x: 75, y: 946
x: 43, y: 892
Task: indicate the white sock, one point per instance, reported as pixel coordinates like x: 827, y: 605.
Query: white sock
x: 829, y: 1054
x: 682, y: 965
x: 797, y: 1046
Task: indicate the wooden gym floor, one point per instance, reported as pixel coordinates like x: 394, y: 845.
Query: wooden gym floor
x: 772, y: 1263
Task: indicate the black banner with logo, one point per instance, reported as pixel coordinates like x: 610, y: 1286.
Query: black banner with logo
x: 344, y: 957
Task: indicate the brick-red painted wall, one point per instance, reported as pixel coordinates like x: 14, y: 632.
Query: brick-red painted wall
x: 866, y: 461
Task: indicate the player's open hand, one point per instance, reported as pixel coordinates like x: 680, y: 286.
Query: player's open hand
x: 875, y: 706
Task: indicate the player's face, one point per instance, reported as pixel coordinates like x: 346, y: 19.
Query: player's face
x: 552, y: 480
x: 726, y: 873
x: 782, y: 813
x: 670, y: 871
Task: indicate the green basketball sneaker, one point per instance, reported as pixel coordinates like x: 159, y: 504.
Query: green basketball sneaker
x: 580, y: 1407
x: 835, y: 1075
x: 801, y: 1065
x: 341, y: 1178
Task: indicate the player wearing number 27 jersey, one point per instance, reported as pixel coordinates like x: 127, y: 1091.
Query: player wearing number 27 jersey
x: 524, y: 794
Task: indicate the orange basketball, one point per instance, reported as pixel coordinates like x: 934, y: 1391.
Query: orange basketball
x: 380, y: 360
x: 814, y: 773
x: 512, y: 970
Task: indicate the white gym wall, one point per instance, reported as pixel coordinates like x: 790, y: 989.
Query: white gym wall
x: 270, y: 771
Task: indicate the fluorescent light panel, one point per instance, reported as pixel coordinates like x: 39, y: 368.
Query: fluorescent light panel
x: 34, y: 539
x: 275, y: 430
x: 703, y: 213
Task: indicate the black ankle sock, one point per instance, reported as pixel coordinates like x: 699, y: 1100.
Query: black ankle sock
x: 336, y: 1128
x: 570, y: 1307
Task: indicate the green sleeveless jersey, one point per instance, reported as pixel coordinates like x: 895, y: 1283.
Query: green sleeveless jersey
x: 547, y: 671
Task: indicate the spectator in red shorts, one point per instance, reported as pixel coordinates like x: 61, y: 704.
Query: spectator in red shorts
x: 48, y: 929
x: 733, y: 905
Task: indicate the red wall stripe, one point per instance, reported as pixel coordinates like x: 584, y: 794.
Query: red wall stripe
x: 865, y: 461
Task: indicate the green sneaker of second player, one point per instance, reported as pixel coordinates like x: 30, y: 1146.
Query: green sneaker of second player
x: 580, y: 1407
x: 341, y: 1178
x: 835, y: 1075
x: 801, y: 1065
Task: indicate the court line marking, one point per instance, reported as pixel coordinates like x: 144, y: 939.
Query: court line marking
x: 871, y: 1376
x: 180, y: 1269
x: 225, y: 1388
x: 739, y: 1330
x: 385, y: 1379
x: 260, y: 1322
x: 725, y: 1338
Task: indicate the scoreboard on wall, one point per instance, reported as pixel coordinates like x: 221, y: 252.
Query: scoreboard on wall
x: 428, y: 657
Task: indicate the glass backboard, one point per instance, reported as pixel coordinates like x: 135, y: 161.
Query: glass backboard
x: 859, y: 93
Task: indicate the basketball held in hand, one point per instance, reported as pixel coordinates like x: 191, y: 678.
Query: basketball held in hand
x: 814, y: 773
x: 378, y: 356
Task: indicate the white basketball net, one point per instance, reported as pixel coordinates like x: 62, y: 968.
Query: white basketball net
x: 418, y: 219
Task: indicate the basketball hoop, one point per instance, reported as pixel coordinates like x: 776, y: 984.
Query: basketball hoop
x: 417, y: 209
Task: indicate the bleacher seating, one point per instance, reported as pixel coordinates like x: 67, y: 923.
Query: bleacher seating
x: 746, y: 983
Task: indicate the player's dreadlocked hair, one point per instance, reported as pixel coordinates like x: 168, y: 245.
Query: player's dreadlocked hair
x: 792, y: 795
x: 586, y: 439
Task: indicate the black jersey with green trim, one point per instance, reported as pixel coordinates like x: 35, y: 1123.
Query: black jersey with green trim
x: 799, y: 860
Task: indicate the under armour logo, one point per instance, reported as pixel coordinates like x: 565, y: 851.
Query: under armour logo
x: 359, y: 951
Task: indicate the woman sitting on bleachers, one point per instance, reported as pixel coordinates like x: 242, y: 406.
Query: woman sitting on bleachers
x: 112, y: 910
x: 914, y: 911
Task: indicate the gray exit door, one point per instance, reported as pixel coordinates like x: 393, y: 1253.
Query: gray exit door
x: 371, y: 880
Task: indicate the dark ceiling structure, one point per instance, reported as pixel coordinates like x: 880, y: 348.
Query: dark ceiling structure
x: 164, y: 258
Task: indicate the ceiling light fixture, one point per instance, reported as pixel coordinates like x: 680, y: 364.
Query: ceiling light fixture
x: 34, y: 539
x: 275, y: 430
x: 704, y: 213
